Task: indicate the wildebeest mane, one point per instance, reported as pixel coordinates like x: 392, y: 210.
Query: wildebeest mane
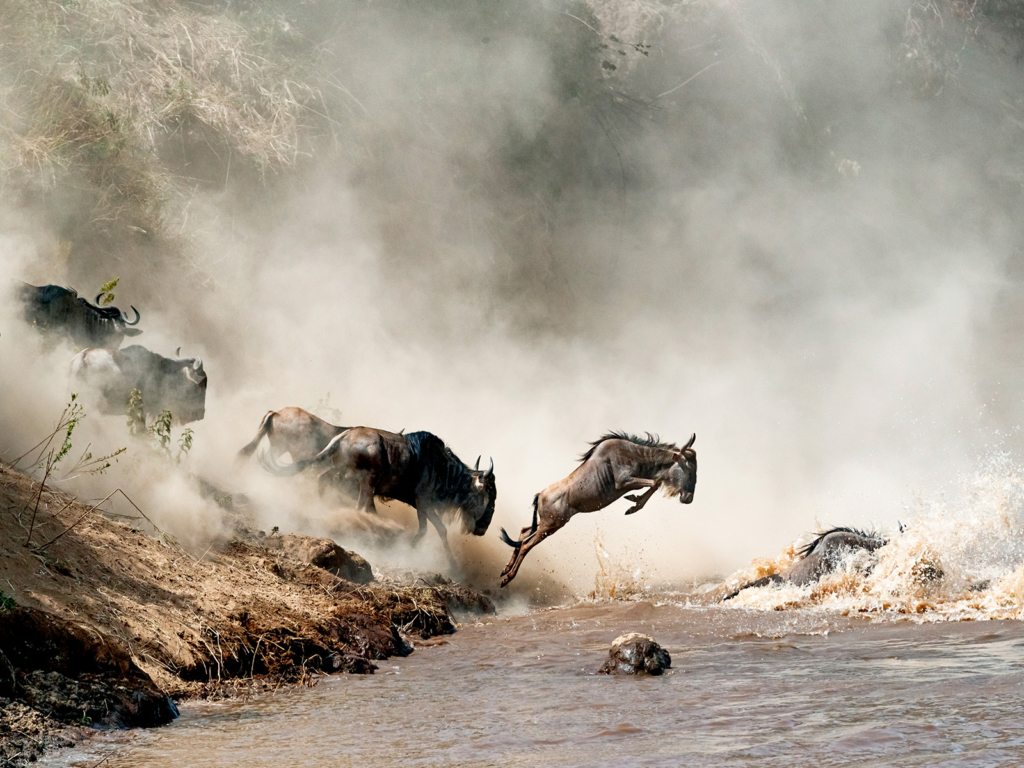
x: 809, y: 548
x: 449, y: 477
x: 650, y: 441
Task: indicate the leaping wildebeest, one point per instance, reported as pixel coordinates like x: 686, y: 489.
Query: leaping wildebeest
x: 51, y: 308
x: 178, y: 386
x: 821, y: 556
x: 294, y: 431
x: 417, y: 469
x: 616, y: 464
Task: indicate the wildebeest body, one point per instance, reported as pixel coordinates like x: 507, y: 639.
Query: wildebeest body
x: 823, y: 555
x: 417, y: 469
x: 294, y: 431
x: 52, y: 308
x: 616, y: 464
x: 178, y: 386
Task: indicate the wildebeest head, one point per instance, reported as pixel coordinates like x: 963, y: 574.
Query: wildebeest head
x: 192, y: 401
x: 682, y: 475
x: 479, y: 504
x: 56, y: 309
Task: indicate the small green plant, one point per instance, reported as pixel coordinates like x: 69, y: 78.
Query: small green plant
x: 47, y: 458
x: 136, y: 414
x: 7, y: 603
x: 106, y: 295
x: 159, y: 431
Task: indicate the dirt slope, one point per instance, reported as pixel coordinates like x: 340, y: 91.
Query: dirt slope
x: 113, y: 621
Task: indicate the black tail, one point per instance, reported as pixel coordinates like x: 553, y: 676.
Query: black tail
x: 533, y: 528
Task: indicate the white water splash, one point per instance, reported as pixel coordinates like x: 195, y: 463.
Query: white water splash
x: 960, y: 557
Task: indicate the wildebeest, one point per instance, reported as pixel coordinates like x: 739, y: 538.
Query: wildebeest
x: 823, y: 555
x: 294, y: 431
x: 178, y: 386
x: 615, y: 464
x: 417, y: 469
x: 56, y: 309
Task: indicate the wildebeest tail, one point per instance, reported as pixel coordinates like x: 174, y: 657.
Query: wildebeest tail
x: 533, y: 527
x: 265, y: 426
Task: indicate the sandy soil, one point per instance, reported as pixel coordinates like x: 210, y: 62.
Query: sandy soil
x: 102, y: 624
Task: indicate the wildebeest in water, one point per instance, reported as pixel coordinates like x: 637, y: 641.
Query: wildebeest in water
x: 821, y: 556
x: 178, y: 386
x: 417, y: 469
x: 616, y: 464
x: 55, y: 309
x: 293, y: 431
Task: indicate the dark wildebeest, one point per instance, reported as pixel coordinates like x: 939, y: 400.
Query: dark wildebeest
x: 178, y: 386
x: 52, y: 308
x: 615, y: 464
x: 417, y: 469
x: 823, y: 555
x: 294, y: 431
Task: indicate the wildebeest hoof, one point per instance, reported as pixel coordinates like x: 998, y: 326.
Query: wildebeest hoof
x: 636, y: 654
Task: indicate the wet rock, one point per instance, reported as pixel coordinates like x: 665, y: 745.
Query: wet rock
x: 323, y: 553
x: 636, y: 654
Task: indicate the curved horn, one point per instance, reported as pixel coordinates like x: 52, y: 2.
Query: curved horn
x: 490, y: 470
x: 689, y: 444
x: 177, y: 352
x: 99, y: 296
x: 476, y: 467
x: 124, y: 317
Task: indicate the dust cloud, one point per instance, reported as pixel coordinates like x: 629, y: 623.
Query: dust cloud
x: 791, y: 228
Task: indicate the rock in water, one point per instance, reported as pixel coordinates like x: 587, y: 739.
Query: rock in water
x: 636, y: 654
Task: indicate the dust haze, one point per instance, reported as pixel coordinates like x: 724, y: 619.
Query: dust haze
x: 791, y: 228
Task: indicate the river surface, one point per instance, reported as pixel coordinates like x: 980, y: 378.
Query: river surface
x: 748, y: 687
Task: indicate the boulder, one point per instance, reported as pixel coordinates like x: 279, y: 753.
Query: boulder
x: 323, y: 553
x: 636, y: 654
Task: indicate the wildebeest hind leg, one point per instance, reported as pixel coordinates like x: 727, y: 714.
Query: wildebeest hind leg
x: 516, y: 546
x: 546, y: 528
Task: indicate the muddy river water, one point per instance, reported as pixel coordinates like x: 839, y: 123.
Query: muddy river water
x: 748, y: 687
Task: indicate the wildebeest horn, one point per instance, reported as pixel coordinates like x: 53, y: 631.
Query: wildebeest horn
x: 129, y: 322
x: 490, y: 470
x: 689, y: 444
x: 476, y: 467
x: 177, y: 352
x: 99, y: 296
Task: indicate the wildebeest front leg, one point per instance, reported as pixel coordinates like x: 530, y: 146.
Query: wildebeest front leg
x: 421, y: 515
x: 442, y: 531
x: 640, y: 501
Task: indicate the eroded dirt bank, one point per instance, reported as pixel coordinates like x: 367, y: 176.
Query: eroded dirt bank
x: 102, y: 624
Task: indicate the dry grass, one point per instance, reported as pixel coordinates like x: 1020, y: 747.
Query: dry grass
x: 111, y: 98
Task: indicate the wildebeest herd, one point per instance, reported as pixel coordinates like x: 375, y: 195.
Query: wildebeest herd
x: 178, y: 386
x: 364, y: 463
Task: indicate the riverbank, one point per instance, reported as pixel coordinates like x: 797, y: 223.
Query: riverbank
x: 102, y: 624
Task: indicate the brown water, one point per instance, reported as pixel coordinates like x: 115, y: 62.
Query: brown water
x: 748, y: 687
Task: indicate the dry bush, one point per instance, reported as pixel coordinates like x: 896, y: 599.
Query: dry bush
x: 118, y: 104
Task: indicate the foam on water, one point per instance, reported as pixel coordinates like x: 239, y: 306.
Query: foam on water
x: 958, y: 558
